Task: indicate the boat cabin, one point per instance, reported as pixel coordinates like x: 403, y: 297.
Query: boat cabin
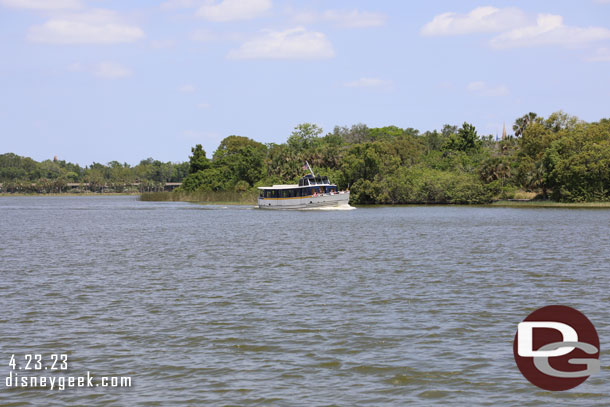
x: 308, y: 186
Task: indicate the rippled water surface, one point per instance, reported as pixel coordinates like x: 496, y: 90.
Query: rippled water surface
x: 212, y: 305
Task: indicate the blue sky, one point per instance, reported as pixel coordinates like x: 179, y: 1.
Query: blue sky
x: 101, y: 80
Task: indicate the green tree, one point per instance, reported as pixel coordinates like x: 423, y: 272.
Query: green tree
x: 244, y: 157
x: 522, y: 122
x: 466, y: 139
x: 577, y: 164
x: 304, y: 137
x: 198, y: 161
x: 210, y: 179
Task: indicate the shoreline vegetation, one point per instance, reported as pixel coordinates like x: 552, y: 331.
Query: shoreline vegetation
x: 548, y: 204
x: 203, y: 197
x: 559, y: 159
x: 249, y: 198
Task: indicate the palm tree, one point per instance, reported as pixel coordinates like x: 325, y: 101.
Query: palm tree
x: 522, y: 122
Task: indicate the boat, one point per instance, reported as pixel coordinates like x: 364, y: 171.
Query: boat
x: 311, y: 192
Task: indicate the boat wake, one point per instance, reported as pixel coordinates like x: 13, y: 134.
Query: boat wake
x: 346, y: 207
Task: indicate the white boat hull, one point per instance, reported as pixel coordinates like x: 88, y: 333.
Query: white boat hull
x: 319, y: 201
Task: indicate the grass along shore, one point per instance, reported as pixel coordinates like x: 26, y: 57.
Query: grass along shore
x: 206, y: 197
x: 549, y: 204
x: 250, y: 198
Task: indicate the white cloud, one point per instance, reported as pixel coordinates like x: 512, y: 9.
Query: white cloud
x: 203, y: 105
x: 515, y: 28
x: 187, y: 88
x: 481, y: 19
x: 601, y: 55
x: 296, y: 43
x: 92, y: 27
x: 42, y: 4
x: 549, y: 30
x: 369, y: 83
x: 483, y: 89
x: 355, y: 18
x: 111, y: 70
x: 231, y: 10
x: 106, y: 69
x: 343, y: 18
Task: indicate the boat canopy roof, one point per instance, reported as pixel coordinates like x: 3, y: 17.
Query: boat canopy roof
x: 286, y: 186
x: 311, y: 180
x: 306, y: 181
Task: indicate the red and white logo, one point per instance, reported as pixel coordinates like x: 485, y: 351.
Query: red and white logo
x: 556, y: 348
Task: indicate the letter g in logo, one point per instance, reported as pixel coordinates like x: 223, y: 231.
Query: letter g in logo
x: 553, y: 345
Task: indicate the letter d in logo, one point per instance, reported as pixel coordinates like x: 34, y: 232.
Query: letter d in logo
x: 553, y: 344
x: 526, y: 338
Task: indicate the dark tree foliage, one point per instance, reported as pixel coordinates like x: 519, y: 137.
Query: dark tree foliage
x: 198, y: 161
x: 466, y: 139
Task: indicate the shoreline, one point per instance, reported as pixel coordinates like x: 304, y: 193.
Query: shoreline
x: 497, y: 204
x: 548, y: 204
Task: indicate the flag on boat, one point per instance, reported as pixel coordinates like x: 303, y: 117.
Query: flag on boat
x: 305, y: 167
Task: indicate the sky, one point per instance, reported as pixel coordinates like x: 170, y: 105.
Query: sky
x: 101, y: 80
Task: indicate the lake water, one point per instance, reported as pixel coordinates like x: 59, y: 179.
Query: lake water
x: 213, y: 305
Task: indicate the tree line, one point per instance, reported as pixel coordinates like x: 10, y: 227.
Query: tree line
x: 23, y: 174
x: 558, y: 157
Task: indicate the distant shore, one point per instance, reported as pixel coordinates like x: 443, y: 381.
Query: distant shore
x: 2, y: 194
